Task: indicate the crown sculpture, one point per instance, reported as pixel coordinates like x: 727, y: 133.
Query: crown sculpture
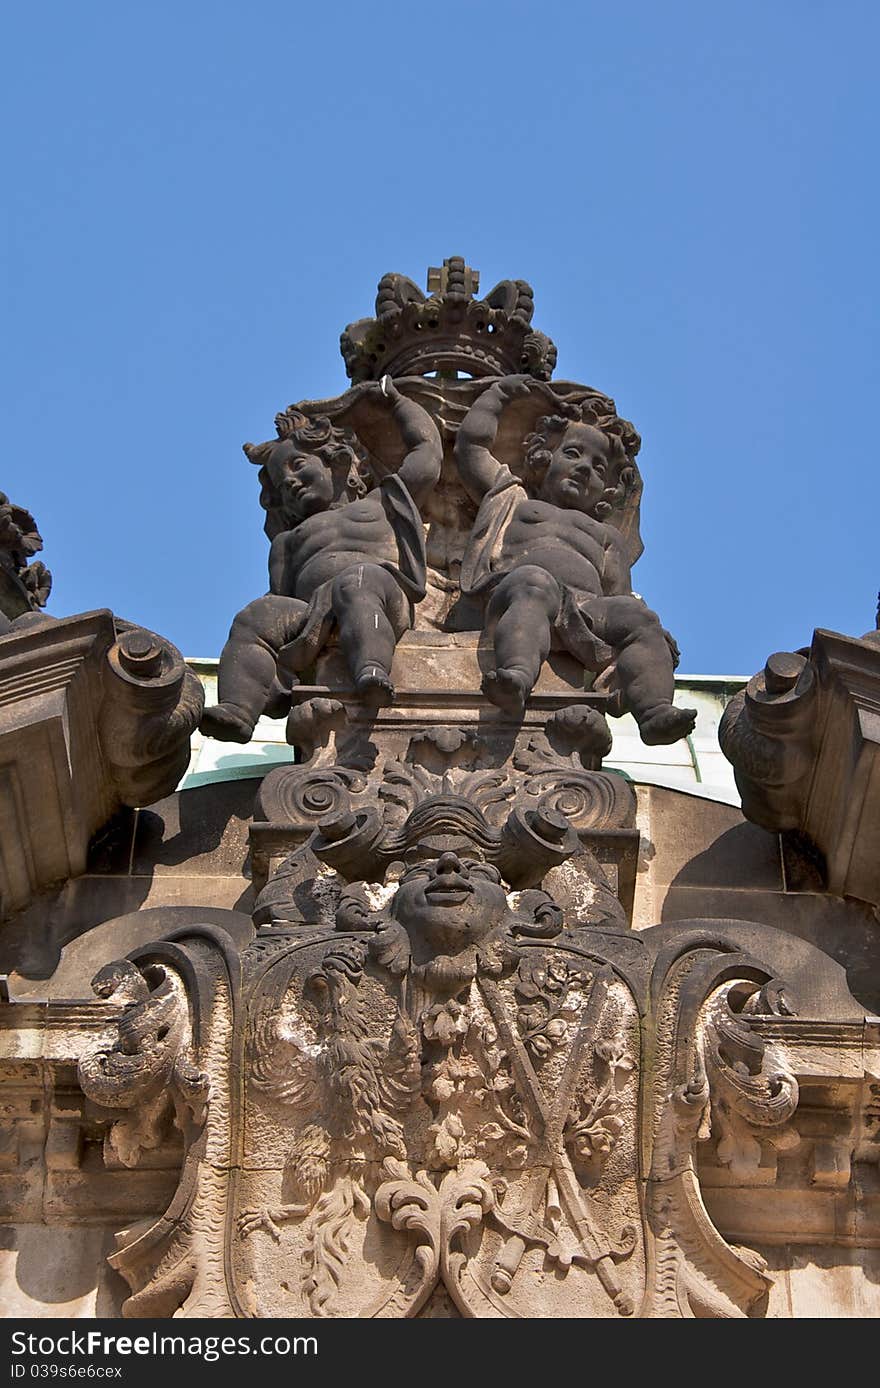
x: 440, y: 1073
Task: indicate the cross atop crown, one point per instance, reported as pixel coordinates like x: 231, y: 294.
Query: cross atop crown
x: 453, y: 277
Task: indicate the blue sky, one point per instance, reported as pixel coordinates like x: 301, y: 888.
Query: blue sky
x: 201, y: 196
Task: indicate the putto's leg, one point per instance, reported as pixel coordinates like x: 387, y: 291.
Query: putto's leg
x: 248, y: 665
x: 644, y: 669
x: 372, y: 614
x: 522, y: 610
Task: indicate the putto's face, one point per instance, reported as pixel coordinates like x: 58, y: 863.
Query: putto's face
x: 449, y: 903
x: 576, y: 477
x: 304, y: 481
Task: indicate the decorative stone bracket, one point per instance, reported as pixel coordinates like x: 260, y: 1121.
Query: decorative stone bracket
x: 804, y: 740
x: 94, y: 714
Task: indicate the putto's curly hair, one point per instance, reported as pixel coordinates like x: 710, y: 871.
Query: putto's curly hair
x: 623, y: 445
x: 338, y: 448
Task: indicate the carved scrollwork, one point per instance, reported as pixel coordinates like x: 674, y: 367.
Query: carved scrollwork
x: 753, y: 1092
x: 439, y: 1217
x: 152, y: 704
x: 713, y: 1076
x: 301, y: 795
x: 319, y: 795
x: 490, y: 791
x: 147, y: 1071
x: 410, y: 1204
x: 535, y: 839
x: 767, y: 732
x: 426, y: 1106
x: 349, y: 841
x: 587, y: 799
x: 405, y: 785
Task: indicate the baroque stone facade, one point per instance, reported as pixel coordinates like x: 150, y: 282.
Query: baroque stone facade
x: 442, y: 1019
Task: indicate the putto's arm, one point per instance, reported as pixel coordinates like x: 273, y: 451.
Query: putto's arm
x: 616, y: 578
x: 281, y: 573
x: 477, y: 467
x: 420, y: 469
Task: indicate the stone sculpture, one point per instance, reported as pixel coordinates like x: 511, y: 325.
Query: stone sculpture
x: 435, y: 1071
x: 25, y: 582
x: 448, y: 1089
x: 95, y: 713
x: 549, y: 551
x: 337, y: 554
x: 549, y: 565
x: 804, y: 740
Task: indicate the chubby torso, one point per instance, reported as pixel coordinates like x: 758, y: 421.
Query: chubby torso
x: 328, y: 543
x: 568, y: 544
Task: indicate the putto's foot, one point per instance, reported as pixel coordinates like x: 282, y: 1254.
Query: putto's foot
x: 227, y: 722
x: 375, y: 687
x: 508, y: 688
x: 666, y: 724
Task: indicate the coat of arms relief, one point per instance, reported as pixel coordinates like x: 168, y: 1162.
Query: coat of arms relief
x: 442, y: 1083
x: 444, y: 1075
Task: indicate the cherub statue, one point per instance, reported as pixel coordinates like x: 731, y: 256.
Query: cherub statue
x: 549, y: 566
x: 339, y: 554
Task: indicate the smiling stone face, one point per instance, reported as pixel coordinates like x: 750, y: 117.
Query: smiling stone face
x: 448, y: 903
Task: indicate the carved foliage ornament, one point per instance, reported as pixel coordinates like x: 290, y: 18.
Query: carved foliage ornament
x: 452, y: 1085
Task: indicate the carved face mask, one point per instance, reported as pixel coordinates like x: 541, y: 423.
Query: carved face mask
x: 449, y: 903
